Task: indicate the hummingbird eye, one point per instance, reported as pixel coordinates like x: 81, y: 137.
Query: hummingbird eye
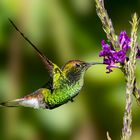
x: 78, y: 65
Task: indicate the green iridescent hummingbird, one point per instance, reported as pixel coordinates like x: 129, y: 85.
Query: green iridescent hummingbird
x: 64, y: 84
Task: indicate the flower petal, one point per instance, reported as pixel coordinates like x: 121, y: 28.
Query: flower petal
x: 124, y: 41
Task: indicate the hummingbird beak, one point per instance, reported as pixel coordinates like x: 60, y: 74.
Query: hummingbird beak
x: 95, y: 63
x: 92, y: 63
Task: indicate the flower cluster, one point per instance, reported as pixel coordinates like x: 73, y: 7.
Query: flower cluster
x: 112, y: 56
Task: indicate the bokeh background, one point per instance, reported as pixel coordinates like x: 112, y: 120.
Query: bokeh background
x: 63, y: 30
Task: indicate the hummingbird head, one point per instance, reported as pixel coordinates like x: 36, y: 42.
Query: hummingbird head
x: 75, y: 69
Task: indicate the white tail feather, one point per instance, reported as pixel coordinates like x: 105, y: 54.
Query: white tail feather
x: 33, y: 102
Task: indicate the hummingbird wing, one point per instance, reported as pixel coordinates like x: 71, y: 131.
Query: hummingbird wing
x: 50, y: 66
x: 54, y: 71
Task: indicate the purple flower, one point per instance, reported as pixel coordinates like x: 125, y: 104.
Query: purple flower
x: 119, y: 56
x: 112, y: 56
x: 124, y: 41
x: 106, y: 49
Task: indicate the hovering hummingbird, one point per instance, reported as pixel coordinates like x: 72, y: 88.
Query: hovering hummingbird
x: 64, y: 84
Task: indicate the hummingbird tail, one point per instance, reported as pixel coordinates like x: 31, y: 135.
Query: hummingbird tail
x: 33, y: 100
x: 12, y: 103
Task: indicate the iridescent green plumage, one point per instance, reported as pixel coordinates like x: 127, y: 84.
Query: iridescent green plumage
x: 69, y: 84
x: 63, y: 86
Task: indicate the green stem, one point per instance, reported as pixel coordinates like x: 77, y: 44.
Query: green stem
x: 107, y: 23
x: 129, y: 72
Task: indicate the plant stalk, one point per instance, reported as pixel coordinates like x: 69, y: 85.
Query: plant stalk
x: 129, y: 71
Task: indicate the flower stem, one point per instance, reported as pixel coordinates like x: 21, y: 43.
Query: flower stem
x: 107, y: 23
x: 129, y: 72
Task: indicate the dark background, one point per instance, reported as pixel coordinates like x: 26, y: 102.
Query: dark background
x: 63, y: 30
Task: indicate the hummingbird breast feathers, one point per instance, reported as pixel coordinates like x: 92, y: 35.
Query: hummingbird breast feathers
x: 62, y: 95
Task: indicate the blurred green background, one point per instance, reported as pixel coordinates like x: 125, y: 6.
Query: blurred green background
x: 63, y: 30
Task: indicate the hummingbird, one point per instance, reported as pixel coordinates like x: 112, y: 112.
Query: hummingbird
x: 63, y: 85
